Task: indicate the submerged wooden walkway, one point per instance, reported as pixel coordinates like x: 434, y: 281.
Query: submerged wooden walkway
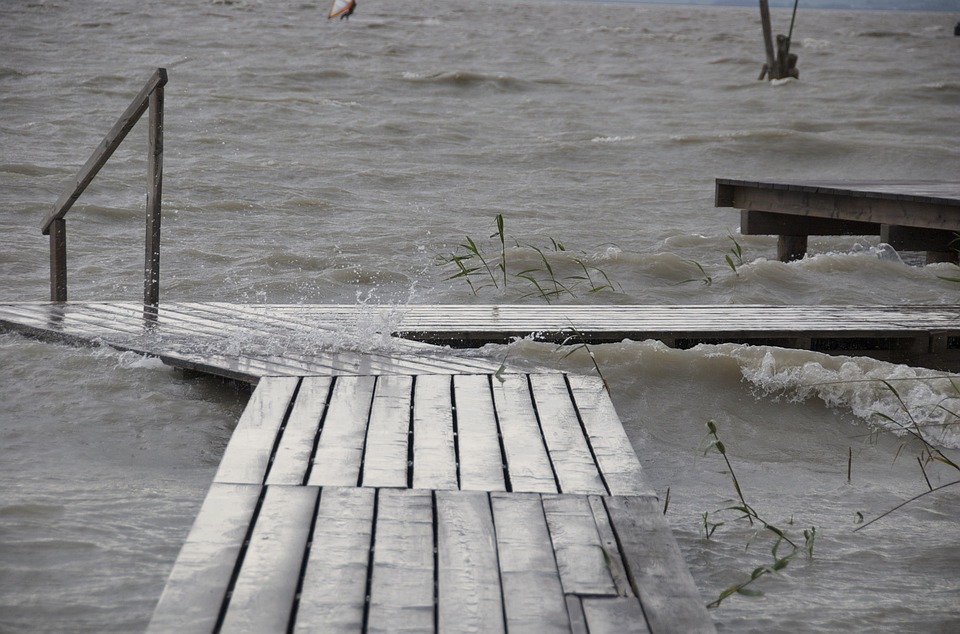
x: 248, y: 341
x: 407, y: 489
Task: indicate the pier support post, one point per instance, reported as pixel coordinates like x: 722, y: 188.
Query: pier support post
x: 151, y: 267
x: 790, y: 248
x: 58, y: 260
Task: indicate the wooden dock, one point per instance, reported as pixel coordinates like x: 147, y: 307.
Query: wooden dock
x: 295, y: 340
x: 427, y: 503
x: 908, y: 215
x: 403, y: 490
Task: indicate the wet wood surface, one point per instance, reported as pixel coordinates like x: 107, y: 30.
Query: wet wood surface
x: 357, y: 559
x: 292, y: 536
x: 298, y: 340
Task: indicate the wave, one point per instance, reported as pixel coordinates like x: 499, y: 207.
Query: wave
x: 467, y: 79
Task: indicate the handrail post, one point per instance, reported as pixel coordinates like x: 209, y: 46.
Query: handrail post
x: 58, y: 260
x: 150, y: 96
x: 151, y: 266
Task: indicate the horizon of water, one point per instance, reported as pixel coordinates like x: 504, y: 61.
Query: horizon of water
x: 309, y: 161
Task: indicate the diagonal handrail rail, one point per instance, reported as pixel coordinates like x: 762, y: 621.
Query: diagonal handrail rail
x: 54, y: 225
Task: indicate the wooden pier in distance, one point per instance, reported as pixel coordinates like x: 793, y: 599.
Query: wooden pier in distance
x: 907, y: 215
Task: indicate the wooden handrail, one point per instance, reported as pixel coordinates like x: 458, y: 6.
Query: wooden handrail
x: 54, y: 225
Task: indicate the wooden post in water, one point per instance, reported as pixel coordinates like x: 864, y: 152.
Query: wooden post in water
x: 151, y: 266
x: 770, y: 66
x: 780, y: 62
x: 58, y: 260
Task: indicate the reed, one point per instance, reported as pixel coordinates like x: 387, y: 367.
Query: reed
x: 746, y: 511
x: 482, y: 265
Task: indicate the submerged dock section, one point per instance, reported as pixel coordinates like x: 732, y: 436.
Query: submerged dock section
x: 908, y: 215
x: 406, y: 489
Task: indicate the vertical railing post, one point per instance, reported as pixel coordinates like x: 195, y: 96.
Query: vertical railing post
x: 58, y: 260
x: 151, y: 266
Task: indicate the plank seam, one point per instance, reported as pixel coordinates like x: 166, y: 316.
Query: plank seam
x: 496, y: 551
x: 295, y: 608
x: 503, y: 449
x: 280, y: 430
x: 410, y: 439
x: 623, y: 560
x: 543, y: 438
x: 320, y: 424
x: 366, y: 430
x: 373, y: 547
x: 456, y: 430
x: 436, y: 562
x: 238, y: 565
x: 586, y: 434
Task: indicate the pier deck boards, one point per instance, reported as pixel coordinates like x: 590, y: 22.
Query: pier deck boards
x: 295, y: 340
x: 908, y: 215
x: 434, y: 504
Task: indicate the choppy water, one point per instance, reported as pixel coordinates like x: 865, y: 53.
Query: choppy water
x: 313, y: 161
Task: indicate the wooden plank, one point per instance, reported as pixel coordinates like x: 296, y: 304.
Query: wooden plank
x: 581, y: 556
x: 578, y: 621
x: 615, y: 616
x: 572, y: 461
x: 481, y: 463
x: 401, y: 591
x: 532, y: 593
x: 334, y: 589
x: 198, y: 584
x: 670, y: 598
x: 434, y: 454
x: 292, y: 459
x: 611, y: 447
x: 340, y: 449
x: 263, y: 595
x: 608, y: 541
x: 248, y: 453
x: 469, y: 596
x: 527, y: 460
x: 388, y: 435
x: 758, y: 223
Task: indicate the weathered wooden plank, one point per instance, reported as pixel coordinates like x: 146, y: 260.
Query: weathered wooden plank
x: 615, y: 616
x: 608, y: 541
x: 572, y: 461
x: 248, y: 453
x: 401, y: 591
x: 578, y: 621
x: 292, y: 460
x: 334, y: 589
x: 434, y: 454
x: 340, y: 449
x: 263, y: 595
x: 527, y: 461
x: 611, y: 447
x: 670, y: 598
x: 580, y: 555
x: 532, y: 593
x: 388, y: 435
x: 198, y: 584
x: 481, y: 463
x: 469, y: 595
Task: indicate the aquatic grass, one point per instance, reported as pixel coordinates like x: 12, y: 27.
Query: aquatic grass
x: 473, y: 263
x: 746, y: 511
x: 737, y: 251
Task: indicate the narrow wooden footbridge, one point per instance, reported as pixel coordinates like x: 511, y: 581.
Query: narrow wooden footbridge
x: 379, y: 482
x: 400, y: 486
